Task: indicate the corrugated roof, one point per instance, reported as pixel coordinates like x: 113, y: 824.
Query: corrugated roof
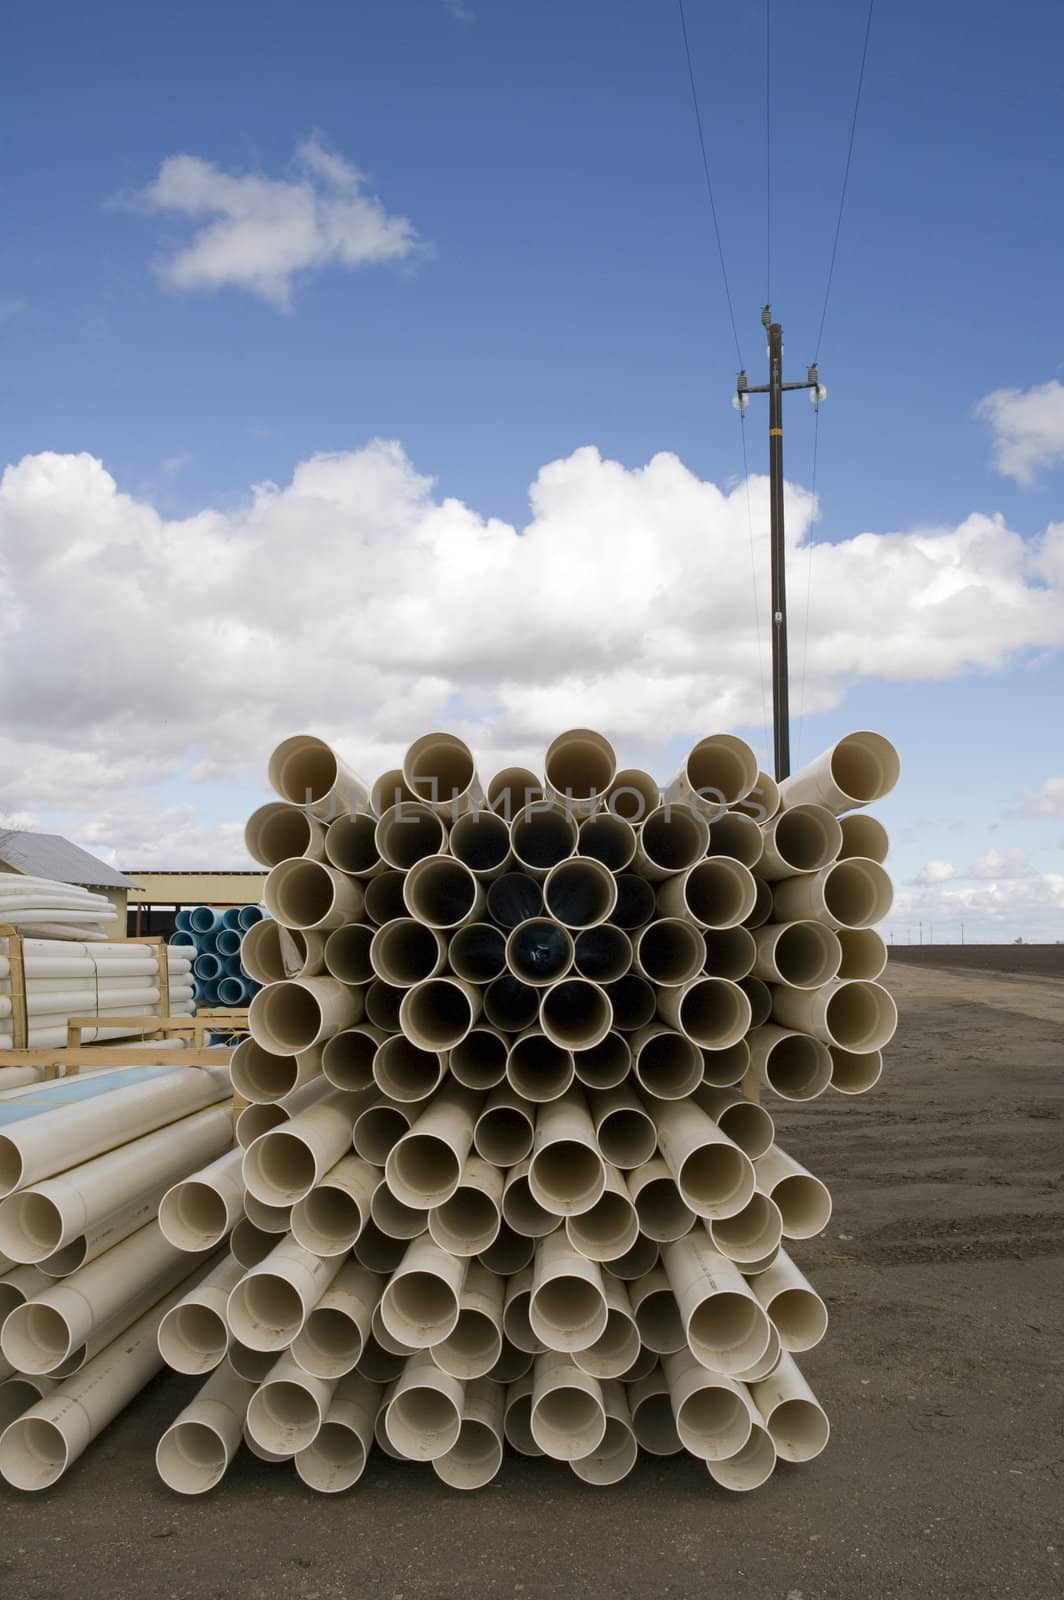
x: 49, y: 855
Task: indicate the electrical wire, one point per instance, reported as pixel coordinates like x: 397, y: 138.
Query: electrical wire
x: 845, y: 177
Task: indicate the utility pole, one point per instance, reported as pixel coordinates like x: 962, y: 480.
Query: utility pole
x: 775, y: 388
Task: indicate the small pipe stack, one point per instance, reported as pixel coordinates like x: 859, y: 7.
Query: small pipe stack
x: 86, y: 1272
x: 214, y: 942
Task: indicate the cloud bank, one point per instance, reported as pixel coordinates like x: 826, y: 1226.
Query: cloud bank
x: 1028, y: 427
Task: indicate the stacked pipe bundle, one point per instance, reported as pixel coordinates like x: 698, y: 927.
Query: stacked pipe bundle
x: 48, y: 909
x: 86, y: 1273
x: 214, y: 940
x: 63, y: 978
x: 500, y: 1179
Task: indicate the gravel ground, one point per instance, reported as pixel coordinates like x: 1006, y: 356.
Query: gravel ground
x: 942, y: 1267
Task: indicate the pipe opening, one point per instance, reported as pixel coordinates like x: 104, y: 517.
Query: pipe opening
x: 568, y: 1423
x: 721, y: 769
x: 807, y: 955
x: 289, y: 1016
x: 759, y: 995
x: 716, y: 1180
x: 670, y: 952
x: 376, y: 1131
x: 301, y: 893
x: 614, y: 1458
x: 655, y: 1426
x: 714, y: 1013
x: 283, y: 1417
x: 193, y: 1216
x: 327, y: 1221
x: 580, y: 764
x: 668, y: 1066
x: 330, y: 1344
x: 479, y: 1060
x: 730, y: 952
x: 334, y: 1461
x: 604, y: 1065
x: 658, y: 1319
x: 279, y: 1169
x: 614, y: 1351
x: 278, y: 831
x: 36, y: 1338
x: 538, y: 1069
x: 441, y: 892
x: 259, y: 1075
x: 509, y: 1253
x: 193, y: 1339
x: 634, y: 1002
x: 382, y: 1004
x: 673, y: 838
x: 713, y: 1423
x: 31, y: 1227
x: 855, y: 1072
x: 865, y: 766
x: 804, y: 1203
x: 566, y: 1177
x: 347, y: 953
x: 542, y: 835
x: 265, y: 1312
x: 750, y: 1467
x: 857, y: 893
x: 511, y: 1004
x: 439, y: 768
x: 191, y: 1458
x: 861, y: 1017
x: 250, y: 1244
x: 637, y: 1262
x: 728, y: 1332
x: 351, y: 844
x: 465, y: 1224
x: 806, y: 838
x: 517, y: 1324
x: 763, y: 905
x: 407, y: 833
x: 799, y: 1430
x: 251, y: 1365
x: 580, y: 892
x: 472, y: 1349
x: 422, y: 1424
x: 523, y: 1211
x: 375, y: 1250
x: 607, y: 838
x: 575, y: 1014
x: 749, y: 1126
x: 513, y: 898
x: 627, y: 1137
x: 477, y: 953
x: 419, y: 1309
x: 517, y: 1426
x: 603, y: 954
x: 503, y: 1135
x: 437, y: 1015
x: 480, y: 841
x: 394, y: 1217
x: 738, y: 836
x: 720, y: 893
x: 539, y: 951
x: 751, y: 1234
x: 636, y: 902
x: 663, y: 1215
x: 383, y: 900
x: 512, y: 789
x: 11, y: 1167
x: 865, y: 836
x: 798, y: 1067
x: 474, y: 1460
x: 607, y: 1229
x: 347, y: 1059
x: 864, y: 954
x: 801, y: 1319
x: 423, y: 1171
x: 405, y: 1072
x: 303, y: 770
x: 33, y: 1454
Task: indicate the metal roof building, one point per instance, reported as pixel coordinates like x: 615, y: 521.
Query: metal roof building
x: 49, y: 855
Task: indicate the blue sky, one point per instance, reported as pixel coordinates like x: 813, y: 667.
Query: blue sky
x: 557, y: 287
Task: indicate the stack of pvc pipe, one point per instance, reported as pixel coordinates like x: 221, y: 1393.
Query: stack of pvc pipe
x: 66, y: 978
x: 214, y: 940
x: 48, y: 909
x: 86, y: 1273
x: 501, y: 1179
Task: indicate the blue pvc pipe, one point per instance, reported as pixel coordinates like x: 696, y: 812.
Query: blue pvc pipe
x: 207, y: 966
x: 230, y: 917
x: 205, y: 994
x: 249, y: 915
x: 232, y: 992
x: 227, y: 941
x: 232, y: 968
x: 183, y: 940
x: 181, y: 920
x: 201, y: 919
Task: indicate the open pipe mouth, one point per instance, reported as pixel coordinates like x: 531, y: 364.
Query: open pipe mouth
x: 477, y: 953
x: 479, y: 1060
x: 730, y: 953
x: 351, y: 845
x: 764, y: 905
x: 728, y: 1332
x: 750, y: 1467
x: 799, y: 1430
x: 759, y: 997
x: 713, y: 1422
x: 31, y: 1227
x: 864, y: 836
x: 806, y: 838
x: 422, y: 1170
x: 512, y: 789
x: 670, y: 952
x: 763, y: 800
x: 636, y: 903
x: 614, y: 1458
x: 376, y: 1251
x: 265, y: 1312
x: 539, y: 1070
x: 806, y: 955
x: 748, y: 1125
x: 36, y: 1338
x: 517, y: 1425
x: 419, y: 1309
x: 798, y: 1067
x: 542, y: 835
x: 608, y: 839
x: 472, y: 1350
x: 437, y: 1014
x: 251, y: 1365
x: 255, y: 1120
x: 568, y: 1424
x: 422, y: 1424
x: 408, y: 833
x: 327, y: 1221
x: 626, y: 1137
x: 861, y: 1017
x: 303, y: 770
x: 721, y: 770
x: 539, y: 951
x: 389, y: 790
x: 383, y: 899
x: 405, y: 952
x: 576, y: 1014
x: 193, y: 1216
x: 513, y: 898
x: 503, y: 1135
x: 334, y: 1461
x: 306, y: 894
x: 474, y: 1460
x: 193, y: 1339
x: 465, y: 1225
x: 250, y: 1244
x: 580, y: 892
x: 737, y: 837
x: 258, y: 1075
x: 722, y: 1069
x: 283, y: 1417
x: 661, y: 1210
x: 855, y: 1072
x: 658, y: 1321
x: 633, y: 795
x: 277, y: 831
x: 642, y: 1258
x: 280, y: 1168
x: 271, y: 1219
x: 330, y: 1344
x: 634, y: 1002
x: 523, y: 1212
x: 612, y: 1355
x: 441, y: 892
x: 382, y: 1002
x: 865, y: 766
x: 607, y: 1231
x: 376, y: 1130
x: 804, y: 1204
x: 667, y: 1066
x: 720, y: 893
x: 481, y: 841
x: 191, y: 1458
x: 674, y: 838
x: 261, y: 953
x: 580, y: 765
x: 801, y: 1319
x: 440, y: 769
x: 655, y: 1426
x: 393, y: 1217
x: 716, y: 1180
x: 864, y: 954
x: 347, y: 953
x: 857, y: 893
x: 751, y: 1234
x: 602, y: 954
x: 566, y: 1177
x: 509, y: 1253
x: 33, y: 1454
x: 516, y: 1325
x: 347, y: 1059
x: 713, y: 1012
x: 567, y: 1314
x: 286, y: 1018
x: 605, y: 1065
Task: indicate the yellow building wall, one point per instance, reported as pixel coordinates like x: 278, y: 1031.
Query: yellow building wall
x: 195, y: 888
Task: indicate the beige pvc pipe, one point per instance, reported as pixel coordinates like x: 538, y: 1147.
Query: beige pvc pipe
x: 509, y: 1004
x: 479, y: 1060
x: 726, y: 1327
x: 537, y: 1069
x: 517, y: 1416
x: 260, y: 1077
x: 307, y: 772
x: 194, y: 1335
x: 271, y: 1219
x: 262, y: 955
x: 567, y: 1309
x: 609, y: 839
x: 804, y: 1202
x: 624, y: 1129
x: 730, y: 953
x: 803, y: 955
x: 539, y: 951
x: 103, y: 1235
x: 250, y: 1244
x: 469, y: 1221
x: 763, y: 905
x: 477, y: 952
x: 854, y: 1015
x: 38, y: 1147
x: 329, y: 1219
x: 278, y: 831
x: 804, y: 838
x: 719, y: 771
x: 442, y: 893
x: 267, y: 1309
x: 606, y: 1064
x: 736, y: 836
x: 617, y: 1348
x: 793, y: 1065
x: 424, y: 1168
x: 566, y: 1174
x: 17, y: 1286
x: 800, y: 1315
x: 378, y: 1128
x: 476, y: 1458
x: 515, y: 1320
x: 542, y: 834
x: 633, y: 795
x: 382, y: 1004
x: 671, y: 840
x: 865, y: 836
x: 509, y: 1253
x: 712, y: 1412
x: 197, y: 1212
x: 513, y: 788
x: 580, y: 892
x: 642, y: 1258
x: 375, y: 1250
x: 746, y: 1123
x: 284, y: 1164
x: 406, y: 1073
x: 481, y: 841
x: 652, y: 1416
x: 504, y: 1131
x: 750, y: 1467
x: 713, y: 1012
x: 195, y: 1451
x: 771, y: 1358
x: 38, y: 1448
x: 669, y: 951
x: 392, y: 1217
x: 421, y: 1302
x: 287, y: 1410
x: 656, y: 1313
x: 568, y: 1418
x: 39, y: 1220
x: 347, y: 1057
x: 864, y: 954
x: 666, y: 1065
x: 715, y: 1178
x: 380, y: 1435
x: 849, y: 894
x: 603, y: 954
x: 722, y: 1069
x: 618, y: 1452
x: 759, y: 995
x: 408, y: 833
x: 662, y: 1213
x: 855, y: 1071
x: 471, y: 1351
x: 440, y: 769
x: 423, y: 1418
x: 351, y: 846
x: 379, y: 1366
x: 635, y: 902
x: 437, y: 1014
x: 856, y: 771
x: 716, y: 893
x: 578, y: 769
x: 346, y: 953
x: 384, y: 897
x: 255, y: 1120
x: 752, y: 1237
x: 389, y: 790
x: 763, y: 800
x: 334, y: 1336
x: 575, y: 1014
x: 18, y: 1394
x: 793, y: 1415
x: 610, y: 1228
x: 298, y: 1013
x: 308, y: 895
x: 520, y: 1211
x: 336, y: 1458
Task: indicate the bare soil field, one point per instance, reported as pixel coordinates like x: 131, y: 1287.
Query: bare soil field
x: 943, y: 1268
x: 1021, y: 960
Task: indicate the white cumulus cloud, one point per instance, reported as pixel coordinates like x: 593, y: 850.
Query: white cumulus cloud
x: 935, y: 872
x: 1045, y: 801
x: 1000, y: 865
x: 1028, y: 426
x: 264, y: 234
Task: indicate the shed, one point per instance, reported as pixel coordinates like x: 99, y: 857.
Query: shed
x: 49, y: 855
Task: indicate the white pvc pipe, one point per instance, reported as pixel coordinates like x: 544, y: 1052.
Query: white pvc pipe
x: 746, y: 1123
x: 799, y: 1314
x: 477, y: 952
x: 404, y: 952
x: 610, y: 1228
x: 330, y: 1217
x: 269, y: 952
x: 566, y: 1174
x: 442, y: 893
x: 193, y: 1454
x: 346, y: 953
x: 730, y: 953
x: 440, y: 769
x: 615, y: 1457
x: 509, y: 1252
x: 472, y: 1349
x: 421, y: 1302
x: 376, y: 1251
x: 424, y: 1167
x: 384, y: 897
x: 750, y: 1467
x: 736, y: 836
x: 713, y: 1413
x: 762, y: 801
x: 804, y: 838
x: 854, y: 1015
x: 279, y: 830
x: 662, y: 1213
x: 193, y: 1336
x: 624, y: 1129
x: 603, y: 954
x: 793, y: 1065
x: 539, y: 951
x: 393, y: 1217
x: 804, y: 1202
x: 18, y: 1393
x: 199, y: 1210
x: 856, y: 771
x: 855, y: 1072
x: 669, y: 951
x: 864, y: 954
x: 250, y: 1244
x: 479, y: 1060
x: 261, y: 1077
x: 504, y: 1131
x: 351, y: 846
x: 759, y: 995
x: 793, y: 1415
x: 617, y: 1348
x: 284, y: 1164
x: 712, y: 1011
x: 347, y: 1057
x: 423, y: 1417
x: 521, y: 1211
x: 715, y: 1178
x: 515, y: 1319
x: 568, y: 1418
x: 752, y: 1237
x: 469, y: 1221
x: 406, y: 1073
x: 381, y: 1005
x: 389, y: 789
x: 642, y: 1258
x: 719, y: 771
x: 513, y: 788
x: 575, y: 1014
x: 580, y: 892
x: 803, y: 955
x: 475, y: 1459
x: 271, y: 1219
x: 379, y: 1366
x: 255, y: 1120
x: 606, y: 1064
x: 510, y: 1005
x: 633, y: 795
x: 287, y: 1410
x: 332, y: 1340
x: 671, y: 840
x: 666, y: 1065
x: 307, y: 772
x: 480, y: 840
x: 378, y: 1128
x: 865, y: 836
x: 609, y: 839
x: 517, y: 1416
x: 541, y: 835
x: 537, y: 1069
x: 652, y: 1414
x: 407, y: 833
x: 579, y: 767
x: 267, y: 1309
x: 298, y: 1013
x: 308, y: 895
x: 437, y: 1014
x: 726, y: 1327
x: 336, y: 1458
x: 849, y: 894
x: 656, y: 1313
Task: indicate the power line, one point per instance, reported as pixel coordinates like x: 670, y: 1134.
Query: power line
x: 845, y: 177
x: 709, y: 181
